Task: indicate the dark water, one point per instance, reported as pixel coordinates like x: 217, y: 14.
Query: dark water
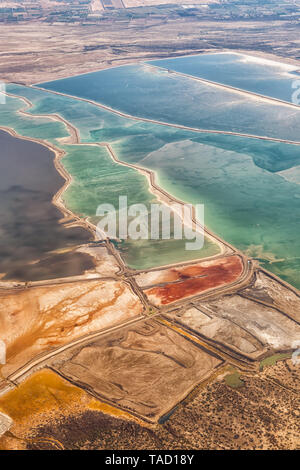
x: 29, y: 223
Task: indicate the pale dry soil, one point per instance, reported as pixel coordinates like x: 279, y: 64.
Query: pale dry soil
x: 217, y: 329
x: 143, y: 369
x: 36, y: 52
x: 268, y: 290
x: 262, y: 414
x: 36, y: 320
x: 269, y: 326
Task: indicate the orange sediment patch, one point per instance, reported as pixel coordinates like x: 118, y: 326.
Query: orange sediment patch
x: 41, y: 392
x: 44, y: 397
x: 112, y: 411
x: 46, y: 391
x: 37, y: 320
x: 192, y: 280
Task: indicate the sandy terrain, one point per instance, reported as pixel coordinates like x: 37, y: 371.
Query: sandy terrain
x: 261, y: 414
x: 264, y: 316
x: 220, y: 330
x: 44, y: 397
x: 141, y: 372
x: 5, y: 423
x: 145, y: 370
x: 38, y: 319
x: 268, y: 290
x: 175, y: 284
x: 33, y: 53
x: 267, y: 324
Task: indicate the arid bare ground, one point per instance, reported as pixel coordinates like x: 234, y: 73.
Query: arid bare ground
x: 144, y: 369
x: 39, y: 319
x: 38, y: 400
x: 218, y: 329
x: 266, y: 289
x: 268, y: 325
x: 254, y: 322
x: 37, y: 52
x: 261, y: 414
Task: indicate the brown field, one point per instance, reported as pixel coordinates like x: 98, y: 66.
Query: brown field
x: 44, y: 397
x: 263, y: 318
x: 38, y: 319
x: 268, y: 290
x: 268, y: 325
x: 188, y: 281
x: 145, y: 370
x: 262, y: 414
x: 221, y: 330
x: 36, y: 52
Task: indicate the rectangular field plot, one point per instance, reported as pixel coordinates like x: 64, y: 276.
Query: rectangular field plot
x: 268, y: 290
x: 37, y: 320
x: 163, y: 287
x: 145, y: 369
x: 268, y: 325
x: 220, y: 330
